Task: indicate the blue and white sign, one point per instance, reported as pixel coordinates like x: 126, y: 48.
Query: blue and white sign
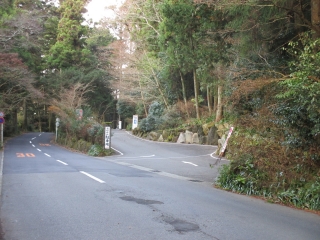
x: 134, y: 121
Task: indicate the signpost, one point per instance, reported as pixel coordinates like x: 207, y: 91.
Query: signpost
x: 107, y: 137
x: 57, y: 125
x: 1, y: 123
x: 134, y: 121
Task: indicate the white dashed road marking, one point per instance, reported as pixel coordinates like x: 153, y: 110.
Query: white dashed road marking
x: 93, y: 177
x: 62, y: 162
x: 47, y: 155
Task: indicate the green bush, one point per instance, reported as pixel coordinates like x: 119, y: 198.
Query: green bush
x: 244, y: 178
x: 98, y: 151
x: 154, y: 118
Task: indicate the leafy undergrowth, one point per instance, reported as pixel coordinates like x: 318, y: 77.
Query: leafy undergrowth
x: 264, y: 164
x: 99, y: 151
x: 85, y: 147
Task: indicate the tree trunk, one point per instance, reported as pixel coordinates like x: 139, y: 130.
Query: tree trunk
x: 15, y: 120
x: 50, y: 122
x: 25, y: 119
x: 315, y: 15
x: 160, y: 89
x: 184, y: 94
x: 143, y: 101
x: 209, y: 99
x: 39, y: 119
x: 215, y: 99
x: 196, y: 93
x: 219, y: 104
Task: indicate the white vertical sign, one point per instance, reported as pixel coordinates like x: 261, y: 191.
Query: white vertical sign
x: 134, y: 121
x: 107, y: 137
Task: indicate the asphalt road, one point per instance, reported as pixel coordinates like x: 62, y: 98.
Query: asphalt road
x: 148, y: 191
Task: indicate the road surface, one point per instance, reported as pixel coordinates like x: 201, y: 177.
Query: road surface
x: 148, y: 191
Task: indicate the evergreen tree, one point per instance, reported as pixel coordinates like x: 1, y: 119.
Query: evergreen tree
x: 69, y: 49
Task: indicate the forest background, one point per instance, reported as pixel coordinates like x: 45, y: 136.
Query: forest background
x: 253, y: 64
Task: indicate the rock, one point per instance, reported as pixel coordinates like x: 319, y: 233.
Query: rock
x: 227, y: 125
x: 200, y: 131
x: 165, y: 134
x: 203, y: 140
x: 194, y: 128
x: 182, y: 138
x: 221, y: 130
x: 206, y: 127
x: 188, y: 136
x: 153, y: 136
x: 213, y: 136
x: 148, y: 137
x: 160, y: 139
x: 195, y: 138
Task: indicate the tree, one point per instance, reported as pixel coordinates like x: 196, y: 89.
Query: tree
x: 186, y: 36
x: 299, y: 108
x: 69, y: 49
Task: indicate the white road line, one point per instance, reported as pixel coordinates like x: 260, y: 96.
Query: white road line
x: 123, y: 163
x: 33, y: 145
x: 62, y: 162
x: 219, y: 158
x: 38, y: 149
x: 117, y: 151
x: 142, y: 168
x: 47, y: 155
x: 166, y: 174
x: 148, y: 156
x: 39, y: 134
x: 33, y: 138
x: 30, y: 142
x: 190, y: 163
x: 93, y: 177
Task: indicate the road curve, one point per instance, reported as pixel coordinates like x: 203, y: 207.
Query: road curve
x: 49, y: 193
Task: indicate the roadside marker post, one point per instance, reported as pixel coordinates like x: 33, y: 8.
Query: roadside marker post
x: 57, y: 125
x: 225, y: 143
x: 1, y: 123
x: 107, y: 137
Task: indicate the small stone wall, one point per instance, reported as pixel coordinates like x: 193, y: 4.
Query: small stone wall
x: 207, y: 134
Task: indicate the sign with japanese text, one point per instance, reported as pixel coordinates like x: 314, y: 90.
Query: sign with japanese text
x: 107, y: 136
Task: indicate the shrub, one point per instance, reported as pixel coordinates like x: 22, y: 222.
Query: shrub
x: 98, y: 151
x: 171, y: 118
x: 154, y: 118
